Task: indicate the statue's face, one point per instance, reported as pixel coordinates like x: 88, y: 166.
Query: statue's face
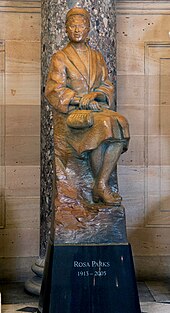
x: 77, y: 29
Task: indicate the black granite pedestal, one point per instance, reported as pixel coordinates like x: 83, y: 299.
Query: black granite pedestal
x: 89, y: 279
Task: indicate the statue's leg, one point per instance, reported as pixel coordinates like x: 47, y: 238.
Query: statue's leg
x: 96, y: 159
x: 109, y: 158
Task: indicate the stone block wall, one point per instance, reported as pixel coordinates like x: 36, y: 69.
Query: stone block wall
x: 143, y: 68
x: 19, y: 137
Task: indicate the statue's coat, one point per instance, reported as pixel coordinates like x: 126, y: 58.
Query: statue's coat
x: 68, y: 77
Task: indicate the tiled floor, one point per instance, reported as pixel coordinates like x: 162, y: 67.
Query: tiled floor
x: 22, y: 307
x: 154, y: 298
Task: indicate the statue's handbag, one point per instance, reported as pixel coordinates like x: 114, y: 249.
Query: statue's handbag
x: 80, y: 119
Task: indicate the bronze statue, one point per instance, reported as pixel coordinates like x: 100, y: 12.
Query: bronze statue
x: 88, y: 253
x: 81, y: 94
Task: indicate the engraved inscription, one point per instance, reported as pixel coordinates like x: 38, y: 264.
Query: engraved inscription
x: 91, y: 268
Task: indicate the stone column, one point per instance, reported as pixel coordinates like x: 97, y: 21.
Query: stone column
x: 103, y: 35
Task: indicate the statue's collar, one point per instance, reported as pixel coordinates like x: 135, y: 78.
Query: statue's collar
x: 74, y: 58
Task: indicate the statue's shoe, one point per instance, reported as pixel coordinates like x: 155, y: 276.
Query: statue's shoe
x: 106, y: 196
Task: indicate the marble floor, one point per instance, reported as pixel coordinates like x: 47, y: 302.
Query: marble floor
x: 154, y: 298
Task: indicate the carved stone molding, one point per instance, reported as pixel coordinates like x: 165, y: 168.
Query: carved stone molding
x: 20, y: 6
x: 157, y: 172
x: 134, y: 7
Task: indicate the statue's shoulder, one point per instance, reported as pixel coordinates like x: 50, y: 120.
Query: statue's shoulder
x: 98, y: 54
x: 59, y: 54
x: 63, y: 53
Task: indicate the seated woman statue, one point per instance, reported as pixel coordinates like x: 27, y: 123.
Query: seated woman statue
x: 79, y: 89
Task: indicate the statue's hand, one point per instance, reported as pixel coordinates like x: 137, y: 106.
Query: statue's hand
x: 94, y: 106
x: 86, y: 99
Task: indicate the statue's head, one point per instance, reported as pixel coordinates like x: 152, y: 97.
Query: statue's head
x: 77, y: 24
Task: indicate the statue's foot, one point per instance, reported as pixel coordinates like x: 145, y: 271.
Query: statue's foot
x: 106, y: 195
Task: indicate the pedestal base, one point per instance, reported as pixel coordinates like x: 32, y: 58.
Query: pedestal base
x: 33, y: 285
x: 89, y: 279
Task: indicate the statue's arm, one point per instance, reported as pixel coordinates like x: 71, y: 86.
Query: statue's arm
x: 105, y: 88
x: 56, y: 91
